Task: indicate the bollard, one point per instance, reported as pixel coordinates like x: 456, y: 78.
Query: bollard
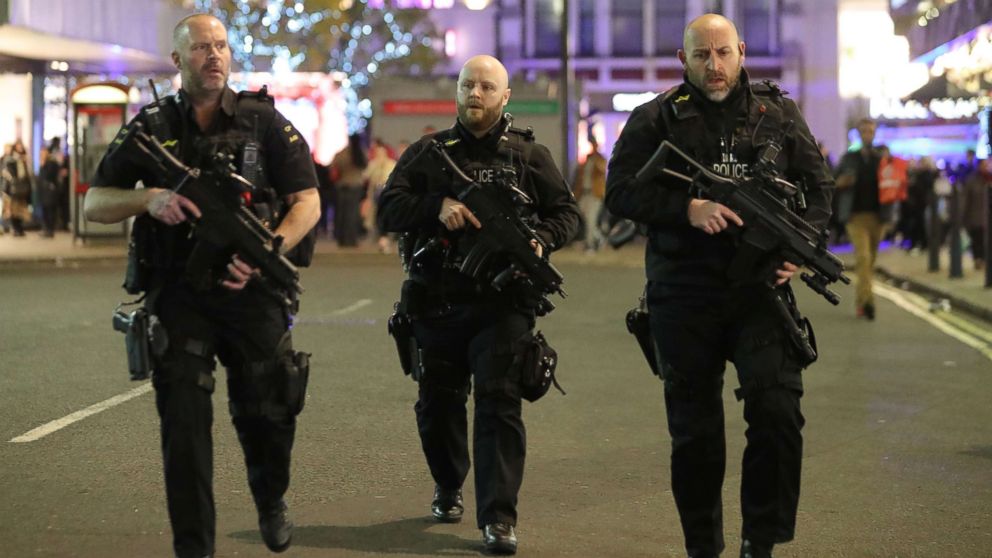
x: 933, y: 245
x: 954, y: 246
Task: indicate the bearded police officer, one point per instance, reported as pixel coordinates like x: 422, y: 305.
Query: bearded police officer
x: 232, y: 318
x: 701, y: 314
x: 465, y: 330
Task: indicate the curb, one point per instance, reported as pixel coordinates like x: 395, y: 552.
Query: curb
x: 913, y: 285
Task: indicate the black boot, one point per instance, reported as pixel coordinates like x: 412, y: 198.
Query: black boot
x: 275, y: 526
x: 751, y: 549
x: 447, y: 506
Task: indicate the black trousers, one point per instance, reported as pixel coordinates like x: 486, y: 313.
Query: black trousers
x: 464, y: 342
x: 240, y: 329
x: 696, y: 332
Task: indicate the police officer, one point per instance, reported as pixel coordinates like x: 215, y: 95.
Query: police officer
x: 246, y: 328
x: 701, y: 313
x: 466, y: 330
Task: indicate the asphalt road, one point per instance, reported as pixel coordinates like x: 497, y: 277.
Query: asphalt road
x: 898, y: 435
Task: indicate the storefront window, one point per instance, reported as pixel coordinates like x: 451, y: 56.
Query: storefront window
x: 628, y: 27
x: 547, y: 27
x: 669, y: 18
x: 587, y: 25
x: 756, y: 21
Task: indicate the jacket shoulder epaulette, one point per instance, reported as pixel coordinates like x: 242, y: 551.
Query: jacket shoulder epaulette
x: 527, y: 134
x: 669, y: 94
x: 768, y: 88
x: 261, y: 95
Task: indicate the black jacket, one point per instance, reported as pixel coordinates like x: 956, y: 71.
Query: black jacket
x: 284, y: 158
x: 725, y: 137
x: 411, y: 200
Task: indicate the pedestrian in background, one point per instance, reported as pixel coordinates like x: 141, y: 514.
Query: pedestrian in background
x: 975, y: 208
x: 589, y: 189
x: 347, y: 172
x: 19, y: 179
x: 49, y: 182
x: 869, y: 219
x: 710, y: 298
x: 381, y: 165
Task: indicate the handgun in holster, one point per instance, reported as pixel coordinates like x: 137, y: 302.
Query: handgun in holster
x: 144, y: 338
x: 639, y: 325
x: 797, y: 327
x: 401, y: 329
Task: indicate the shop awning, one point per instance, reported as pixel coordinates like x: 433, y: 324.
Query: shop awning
x: 23, y: 42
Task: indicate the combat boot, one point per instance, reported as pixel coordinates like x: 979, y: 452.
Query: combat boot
x: 275, y: 526
x: 751, y: 549
x: 447, y: 506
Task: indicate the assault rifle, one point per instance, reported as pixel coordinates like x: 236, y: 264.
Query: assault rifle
x: 503, y: 233
x: 226, y: 226
x: 762, y: 201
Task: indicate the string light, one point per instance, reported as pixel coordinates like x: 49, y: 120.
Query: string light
x: 353, y: 37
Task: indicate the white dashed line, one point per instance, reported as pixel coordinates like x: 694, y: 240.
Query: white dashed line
x: 351, y: 308
x: 59, y: 424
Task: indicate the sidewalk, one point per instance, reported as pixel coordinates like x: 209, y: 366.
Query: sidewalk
x: 907, y: 270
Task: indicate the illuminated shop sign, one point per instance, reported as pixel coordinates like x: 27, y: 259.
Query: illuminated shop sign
x: 945, y: 109
x: 626, y: 102
x: 967, y: 63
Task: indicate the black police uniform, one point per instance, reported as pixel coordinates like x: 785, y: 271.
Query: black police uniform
x: 466, y: 330
x: 702, y: 315
x: 247, y: 330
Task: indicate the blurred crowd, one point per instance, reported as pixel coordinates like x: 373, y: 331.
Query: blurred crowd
x: 349, y: 192
x: 30, y: 201
x: 928, y: 192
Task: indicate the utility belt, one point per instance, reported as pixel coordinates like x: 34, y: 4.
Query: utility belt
x: 798, y: 329
x: 536, y: 359
x: 275, y: 388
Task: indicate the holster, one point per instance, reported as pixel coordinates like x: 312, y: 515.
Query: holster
x: 144, y: 338
x: 295, y: 366
x: 138, y: 345
x: 401, y: 329
x: 639, y: 325
x: 797, y: 327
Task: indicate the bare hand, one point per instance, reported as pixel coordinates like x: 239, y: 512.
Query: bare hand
x: 712, y: 217
x: 455, y: 215
x: 538, y: 248
x: 785, y: 273
x: 168, y: 207
x: 239, y: 273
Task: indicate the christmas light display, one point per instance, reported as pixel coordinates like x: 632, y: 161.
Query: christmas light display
x: 353, y: 37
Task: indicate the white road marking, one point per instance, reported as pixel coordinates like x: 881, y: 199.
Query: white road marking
x: 58, y: 424
x: 349, y: 309
x: 902, y: 300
